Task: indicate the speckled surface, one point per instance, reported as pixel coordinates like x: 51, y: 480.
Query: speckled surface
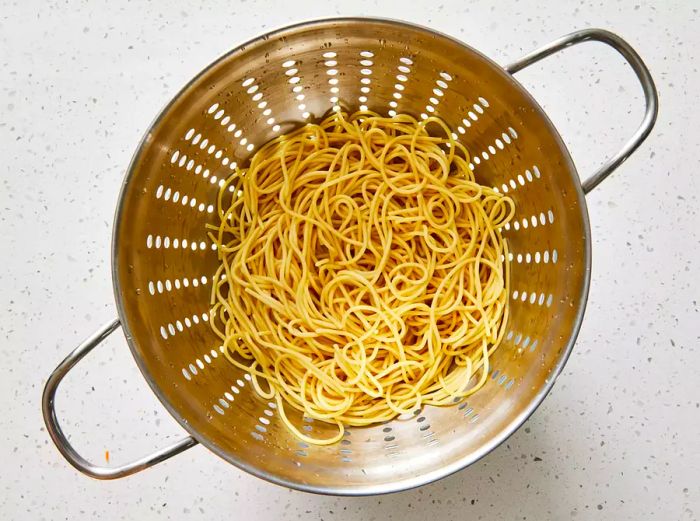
x: 618, y: 438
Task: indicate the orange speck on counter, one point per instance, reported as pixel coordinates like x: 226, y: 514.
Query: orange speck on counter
x: 107, y: 456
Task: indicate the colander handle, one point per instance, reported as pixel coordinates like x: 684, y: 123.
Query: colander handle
x: 639, y: 68
x: 59, y: 438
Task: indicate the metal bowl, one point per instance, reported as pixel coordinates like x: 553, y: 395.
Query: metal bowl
x: 163, y: 262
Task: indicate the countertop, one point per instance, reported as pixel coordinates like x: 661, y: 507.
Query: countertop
x: 618, y: 437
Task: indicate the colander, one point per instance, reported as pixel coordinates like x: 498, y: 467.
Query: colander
x: 163, y: 263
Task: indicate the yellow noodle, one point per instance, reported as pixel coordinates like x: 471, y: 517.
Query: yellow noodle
x: 362, y: 270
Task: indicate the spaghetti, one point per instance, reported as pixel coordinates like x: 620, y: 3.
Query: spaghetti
x: 362, y: 270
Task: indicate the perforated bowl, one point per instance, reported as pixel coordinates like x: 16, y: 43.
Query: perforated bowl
x: 163, y: 262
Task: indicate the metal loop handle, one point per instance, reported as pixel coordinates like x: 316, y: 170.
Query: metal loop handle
x: 59, y: 438
x: 640, y: 69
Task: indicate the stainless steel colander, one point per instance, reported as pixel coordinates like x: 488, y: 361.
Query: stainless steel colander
x: 163, y: 262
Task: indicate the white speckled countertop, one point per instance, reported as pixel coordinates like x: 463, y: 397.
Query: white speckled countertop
x: 619, y: 436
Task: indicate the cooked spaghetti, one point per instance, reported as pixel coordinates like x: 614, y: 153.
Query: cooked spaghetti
x: 362, y: 270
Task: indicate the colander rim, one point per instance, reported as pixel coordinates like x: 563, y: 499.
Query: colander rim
x: 387, y: 487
